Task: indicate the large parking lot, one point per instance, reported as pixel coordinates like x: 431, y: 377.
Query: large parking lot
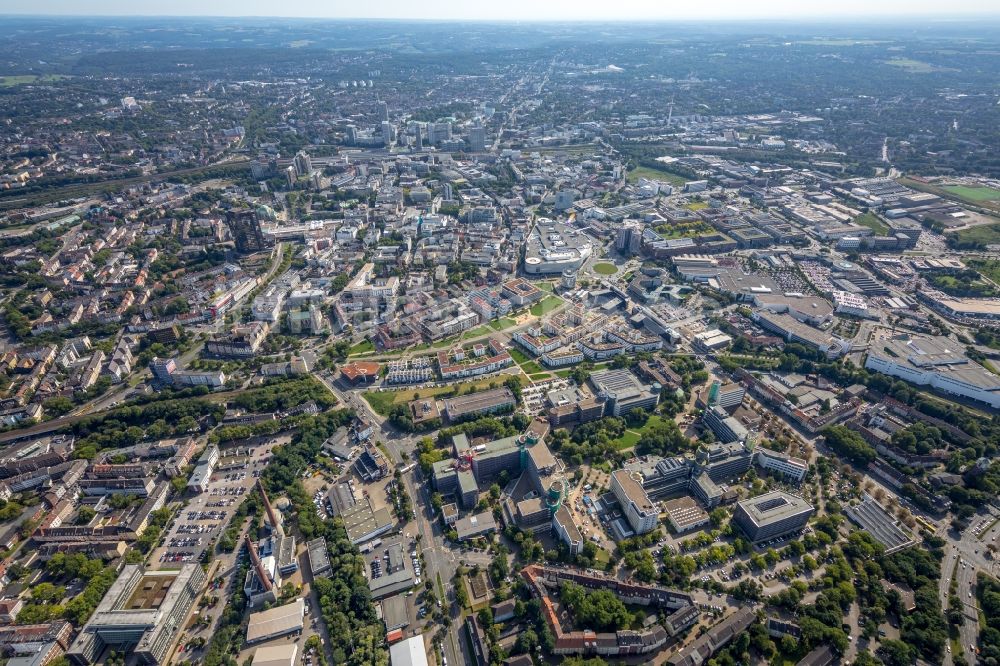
x: 205, y: 516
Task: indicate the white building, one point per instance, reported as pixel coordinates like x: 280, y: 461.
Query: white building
x: 640, y: 511
x: 936, y: 362
x: 567, y: 531
x: 791, y: 468
x: 410, y: 652
x: 712, y: 340
x: 852, y: 304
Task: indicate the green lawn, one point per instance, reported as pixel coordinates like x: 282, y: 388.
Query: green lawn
x: 697, y: 205
x: 870, y: 220
x: 605, y: 268
x: 381, y: 402
x: 518, y: 355
x: 546, y: 305
x: 655, y: 174
x: 973, y: 193
x: 988, y: 267
x: 479, y: 332
x: 502, y: 323
x: 546, y: 286
x: 632, y: 437
x: 531, y: 367
x: 954, y: 193
x: 988, y: 234
x: 9, y: 81
x: 363, y: 347
x: 563, y: 373
x: 539, y: 376
x: 627, y: 441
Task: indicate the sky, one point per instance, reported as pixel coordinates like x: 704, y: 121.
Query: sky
x: 517, y: 10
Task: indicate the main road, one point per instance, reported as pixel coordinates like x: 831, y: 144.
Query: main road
x: 440, y: 561
x: 969, y: 552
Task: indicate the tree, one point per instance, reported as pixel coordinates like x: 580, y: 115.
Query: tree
x: 600, y: 610
x: 718, y: 516
x: 896, y: 653
x: 526, y: 641
x: 461, y: 595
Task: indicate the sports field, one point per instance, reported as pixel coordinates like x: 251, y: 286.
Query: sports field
x: 973, y: 193
x: 655, y: 174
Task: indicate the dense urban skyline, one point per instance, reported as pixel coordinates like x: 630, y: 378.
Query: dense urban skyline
x: 500, y: 342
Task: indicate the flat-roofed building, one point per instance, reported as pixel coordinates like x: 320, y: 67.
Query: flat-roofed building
x: 276, y: 622
x: 789, y: 467
x: 483, y: 402
x: 662, y: 476
x: 520, y: 292
x: 622, y: 391
x: 474, y: 526
x: 493, y: 457
x: 319, y: 557
x: 202, y: 474
x: 772, y: 515
x: 712, y: 340
x: 398, y: 576
x: 937, y: 362
x: 725, y: 427
x: 541, y: 464
x: 449, y: 513
x: 793, y: 330
x: 532, y: 514
x: 410, y: 652
x: 640, y: 511
x: 394, y: 614
x: 142, y: 610
x: 706, y: 490
x: 363, y: 522
x: 728, y: 396
x: 275, y: 655
x: 468, y: 490
x: 977, y: 309
x: 684, y: 514
x: 567, y: 530
x: 134, y: 486
x: 873, y: 519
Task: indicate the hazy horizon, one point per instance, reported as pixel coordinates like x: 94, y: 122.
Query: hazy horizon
x: 521, y: 10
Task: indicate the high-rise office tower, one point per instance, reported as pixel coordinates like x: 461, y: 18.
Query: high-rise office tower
x: 477, y: 138
x: 303, y: 163
x: 383, y: 111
